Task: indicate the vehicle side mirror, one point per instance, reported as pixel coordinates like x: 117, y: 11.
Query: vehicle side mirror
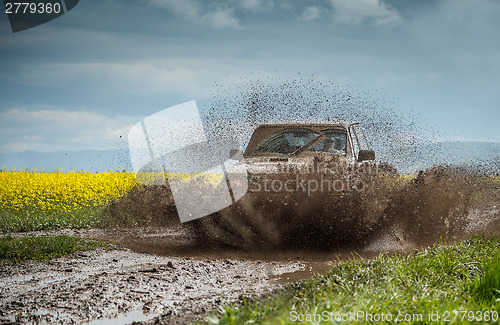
x: 236, y: 154
x: 366, y: 155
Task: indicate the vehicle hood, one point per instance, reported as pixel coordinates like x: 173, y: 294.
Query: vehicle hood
x: 283, y: 164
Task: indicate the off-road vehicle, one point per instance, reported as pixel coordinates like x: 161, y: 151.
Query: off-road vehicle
x: 306, y: 182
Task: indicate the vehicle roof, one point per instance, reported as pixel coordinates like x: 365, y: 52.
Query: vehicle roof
x: 344, y: 123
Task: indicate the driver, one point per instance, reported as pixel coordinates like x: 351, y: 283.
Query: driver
x: 299, y: 143
x: 332, y: 145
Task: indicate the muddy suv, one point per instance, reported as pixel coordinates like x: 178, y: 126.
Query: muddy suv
x: 303, y: 187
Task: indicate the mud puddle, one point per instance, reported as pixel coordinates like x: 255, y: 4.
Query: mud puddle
x: 134, y: 316
x: 178, y: 242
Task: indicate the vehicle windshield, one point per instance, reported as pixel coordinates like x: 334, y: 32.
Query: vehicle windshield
x: 334, y: 141
x: 296, y: 141
x: 286, y: 141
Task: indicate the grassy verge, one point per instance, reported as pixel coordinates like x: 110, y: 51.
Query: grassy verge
x: 32, y: 220
x: 486, y: 289
x: 44, y: 247
x: 441, y: 284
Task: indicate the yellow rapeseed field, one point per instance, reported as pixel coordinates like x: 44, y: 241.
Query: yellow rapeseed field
x: 61, y: 191
x: 31, y: 200
x: 160, y: 178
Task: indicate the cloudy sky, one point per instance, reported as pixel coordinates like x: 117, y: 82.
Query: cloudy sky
x: 80, y: 81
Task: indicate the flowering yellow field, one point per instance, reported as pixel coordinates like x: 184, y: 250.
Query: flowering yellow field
x: 61, y: 191
x: 31, y: 200
x: 38, y: 200
x: 160, y: 178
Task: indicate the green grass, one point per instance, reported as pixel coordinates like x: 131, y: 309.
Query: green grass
x: 32, y: 220
x: 44, y: 247
x: 486, y: 289
x: 436, y: 285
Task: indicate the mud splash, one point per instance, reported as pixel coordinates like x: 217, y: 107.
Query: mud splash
x: 442, y: 203
x: 142, y: 205
x: 434, y: 205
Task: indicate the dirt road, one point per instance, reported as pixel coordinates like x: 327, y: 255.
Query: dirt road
x: 94, y: 287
